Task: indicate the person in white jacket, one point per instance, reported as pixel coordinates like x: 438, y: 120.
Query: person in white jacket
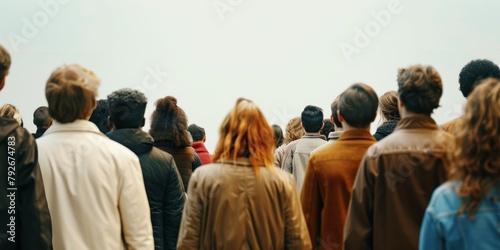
x: 94, y: 186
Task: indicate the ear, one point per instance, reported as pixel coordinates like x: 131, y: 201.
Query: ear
x: 50, y: 122
x: 301, y: 125
x: 111, y: 124
x: 400, y: 103
x: 143, y: 122
x: 341, y: 118
x: 322, y: 126
x: 331, y: 120
x: 204, y: 138
x: 2, y: 83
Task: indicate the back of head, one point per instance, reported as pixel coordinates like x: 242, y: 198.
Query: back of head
x: 358, y: 105
x: 71, y: 93
x: 278, y: 135
x: 127, y: 107
x: 100, y: 116
x: 475, y: 71
x: 420, y: 88
x: 327, y: 128
x: 389, y: 106
x: 312, y: 119
x: 197, y: 132
x: 245, y: 132
x: 476, y: 161
x: 5, y: 62
x: 335, y: 108
x: 169, y: 122
x: 41, y: 117
x: 10, y: 111
x: 294, y: 130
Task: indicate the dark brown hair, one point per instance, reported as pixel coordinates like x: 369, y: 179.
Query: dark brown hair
x: 169, y: 122
x: 358, y: 105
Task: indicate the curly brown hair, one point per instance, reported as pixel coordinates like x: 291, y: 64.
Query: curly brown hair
x: 475, y: 160
x: 169, y: 123
x: 294, y: 130
x: 420, y: 88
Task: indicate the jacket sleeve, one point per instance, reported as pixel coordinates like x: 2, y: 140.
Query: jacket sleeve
x: 296, y: 233
x: 134, y: 207
x: 430, y: 236
x: 288, y: 159
x: 189, y: 233
x: 197, y: 161
x: 358, y: 231
x: 174, y: 203
x: 312, y: 204
x: 33, y: 209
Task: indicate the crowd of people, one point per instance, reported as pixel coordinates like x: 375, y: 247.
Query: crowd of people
x: 90, y: 177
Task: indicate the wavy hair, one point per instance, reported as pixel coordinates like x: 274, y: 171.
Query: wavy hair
x: 245, y: 132
x: 475, y: 159
x: 294, y: 130
x: 10, y: 111
x: 420, y: 88
x: 388, y: 105
x: 169, y: 122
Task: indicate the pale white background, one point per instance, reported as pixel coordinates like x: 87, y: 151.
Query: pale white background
x: 282, y: 54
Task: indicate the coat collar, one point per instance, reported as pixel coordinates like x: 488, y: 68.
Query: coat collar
x: 134, y: 139
x: 76, y: 126
x: 356, y: 134
x: 417, y: 121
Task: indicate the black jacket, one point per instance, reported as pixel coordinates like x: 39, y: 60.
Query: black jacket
x: 385, y: 129
x: 163, y: 185
x: 22, y: 195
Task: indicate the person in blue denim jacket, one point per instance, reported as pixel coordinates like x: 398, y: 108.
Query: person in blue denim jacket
x: 465, y: 212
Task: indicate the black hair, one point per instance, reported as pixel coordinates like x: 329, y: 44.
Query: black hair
x: 312, y: 118
x: 127, y: 107
x: 475, y: 71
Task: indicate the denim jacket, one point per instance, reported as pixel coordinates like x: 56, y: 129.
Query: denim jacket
x: 444, y: 228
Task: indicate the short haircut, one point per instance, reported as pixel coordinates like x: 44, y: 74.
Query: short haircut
x: 358, y: 105
x: 10, y: 111
x: 100, y: 116
x: 389, y: 106
x: 335, y: 116
x: 327, y: 127
x: 41, y: 117
x: 5, y: 62
x: 475, y: 71
x: 312, y: 118
x: 127, y: 107
x: 420, y: 88
x: 196, y: 131
x: 71, y: 93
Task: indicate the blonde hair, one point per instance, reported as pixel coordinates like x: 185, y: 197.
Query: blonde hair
x: 10, y: 111
x: 475, y: 160
x: 71, y: 93
x: 245, y: 132
x: 294, y: 130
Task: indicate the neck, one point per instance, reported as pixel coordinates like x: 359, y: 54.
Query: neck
x: 348, y: 127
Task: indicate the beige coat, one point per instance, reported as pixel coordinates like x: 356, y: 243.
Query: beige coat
x: 229, y: 208
x: 94, y: 188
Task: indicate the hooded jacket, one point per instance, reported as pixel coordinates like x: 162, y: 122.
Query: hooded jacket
x: 163, y: 184
x: 24, y: 198
x: 185, y: 159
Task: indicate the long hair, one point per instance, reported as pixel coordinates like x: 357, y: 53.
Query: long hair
x: 245, y: 132
x: 475, y: 160
x: 388, y: 105
x: 169, y: 122
x: 294, y: 130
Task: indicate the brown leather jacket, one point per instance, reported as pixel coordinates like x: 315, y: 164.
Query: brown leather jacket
x: 23, y: 199
x: 229, y: 208
x: 394, y: 184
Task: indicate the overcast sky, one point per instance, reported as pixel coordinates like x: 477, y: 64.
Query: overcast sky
x: 284, y: 55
